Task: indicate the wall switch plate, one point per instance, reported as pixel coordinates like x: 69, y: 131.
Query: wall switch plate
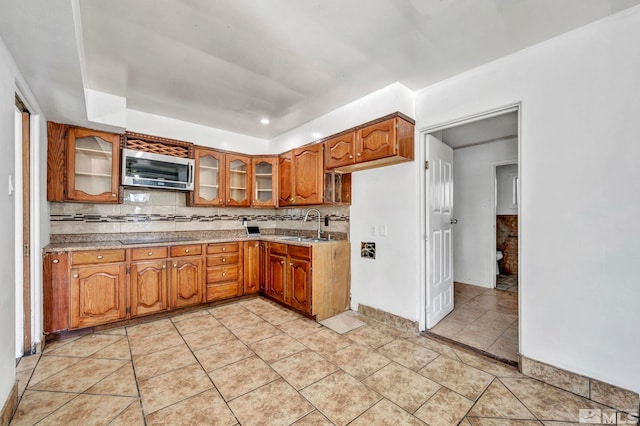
x: 368, y: 250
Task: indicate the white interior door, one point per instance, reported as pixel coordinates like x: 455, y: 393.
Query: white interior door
x: 438, y: 227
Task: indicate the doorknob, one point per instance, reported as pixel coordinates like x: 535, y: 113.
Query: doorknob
x: 453, y: 221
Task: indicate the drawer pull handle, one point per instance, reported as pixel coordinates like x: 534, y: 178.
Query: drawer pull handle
x: 55, y: 261
x: 75, y: 275
x: 224, y: 259
x: 150, y: 253
x: 100, y: 256
x: 224, y: 249
x: 186, y: 250
x: 113, y: 195
x: 224, y: 274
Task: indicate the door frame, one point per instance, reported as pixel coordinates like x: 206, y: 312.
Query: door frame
x: 494, y: 209
x: 423, y: 248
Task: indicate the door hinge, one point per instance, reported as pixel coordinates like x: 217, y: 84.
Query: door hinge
x: 128, y: 269
x: 426, y: 165
x: 128, y: 310
x: 26, y: 250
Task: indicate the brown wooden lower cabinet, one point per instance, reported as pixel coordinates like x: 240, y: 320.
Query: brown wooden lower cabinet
x: 97, y: 294
x: 224, y: 278
x: 314, y: 280
x: 95, y: 287
x: 186, y: 282
x: 148, y: 287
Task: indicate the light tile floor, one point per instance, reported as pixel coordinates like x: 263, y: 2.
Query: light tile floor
x: 255, y: 363
x: 483, y: 318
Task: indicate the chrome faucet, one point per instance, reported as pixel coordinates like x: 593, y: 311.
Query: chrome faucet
x: 306, y: 216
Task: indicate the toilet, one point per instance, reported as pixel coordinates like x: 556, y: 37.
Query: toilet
x: 499, y: 256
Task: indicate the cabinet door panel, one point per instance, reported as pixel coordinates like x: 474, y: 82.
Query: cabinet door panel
x: 265, y: 182
x: 55, y: 291
x: 93, y: 166
x: 339, y: 151
x: 299, y: 286
x: 186, y: 282
x: 376, y: 141
x: 251, y: 267
x: 222, y: 291
x: 238, y: 180
x: 277, y: 276
x: 209, y: 182
x: 308, y: 179
x: 148, y: 287
x: 285, y: 182
x: 97, y: 294
x: 264, y: 266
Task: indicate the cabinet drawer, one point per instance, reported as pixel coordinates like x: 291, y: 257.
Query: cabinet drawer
x: 222, y: 273
x: 222, y: 259
x: 149, y: 253
x: 222, y: 248
x: 300, y: 252
x: 222, y: 291
x: 278, y: 248
x: 97, y: 256
x: 187, y: 250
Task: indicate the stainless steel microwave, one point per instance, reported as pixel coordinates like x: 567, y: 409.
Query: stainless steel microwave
x: 146, y: 169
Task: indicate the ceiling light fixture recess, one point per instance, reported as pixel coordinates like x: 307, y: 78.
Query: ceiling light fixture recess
x: 264, y: 120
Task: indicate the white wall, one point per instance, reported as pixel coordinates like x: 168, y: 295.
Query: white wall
x: 7, y: 266
x: 579, y: 227
x: 505, y: 202
x: 157, y: 125
x: 474, y: 251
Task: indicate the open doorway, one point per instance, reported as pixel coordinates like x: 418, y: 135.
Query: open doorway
x: 481, y: 316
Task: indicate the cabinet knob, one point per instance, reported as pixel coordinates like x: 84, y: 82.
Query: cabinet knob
x: 224, y: 259
x: 351, y: 156
x: 150, y: 253
x: 291, y: 264
x: 224, y: 249
x: 291, y: 199
x: 113, y: 195
x: 175, y: 265
x: 228, y: 201
x: 282, y: 262
x: 224, y: 274
x: 164, y: 266
x: 75, y: 275
x: 359, y: 155
x: 100, y: 256
x: 186, y: 250
x: 55, y: 261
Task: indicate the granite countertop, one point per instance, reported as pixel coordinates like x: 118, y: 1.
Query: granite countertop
x: 125, y: 243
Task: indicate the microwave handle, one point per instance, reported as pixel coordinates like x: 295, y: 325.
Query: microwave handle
x: 191, y: 176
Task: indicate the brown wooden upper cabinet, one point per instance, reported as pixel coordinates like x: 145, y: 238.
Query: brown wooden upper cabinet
x: 209, y: 180
x: 305, y: 183
x: 383, y: 142
x: 238, y: 190
x: 83, y: 165
x: 265, y: 181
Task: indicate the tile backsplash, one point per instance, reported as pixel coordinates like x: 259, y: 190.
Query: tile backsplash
x: 166, y: 211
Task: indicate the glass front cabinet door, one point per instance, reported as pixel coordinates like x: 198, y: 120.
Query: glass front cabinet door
x: 238, y: 180
x: 209, y: 178
x: 264, y: 182
x: 93, y: 168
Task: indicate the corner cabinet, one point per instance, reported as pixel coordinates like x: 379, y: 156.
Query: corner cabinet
x: 83, y: 165
x: 301, y: 176
x: 386, y: 141
x: 209, y: 178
